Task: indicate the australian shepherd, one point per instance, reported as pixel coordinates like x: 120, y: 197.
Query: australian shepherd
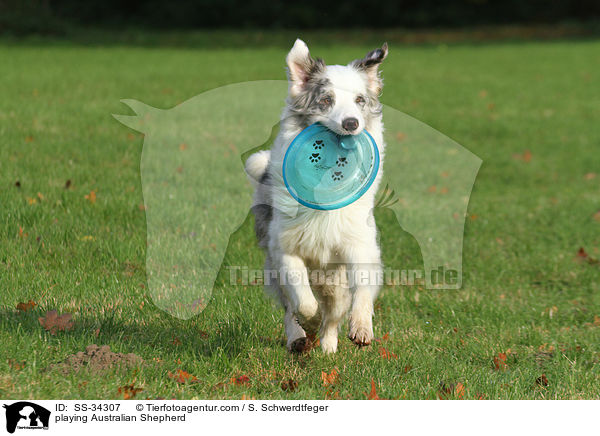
x: 299, y: 240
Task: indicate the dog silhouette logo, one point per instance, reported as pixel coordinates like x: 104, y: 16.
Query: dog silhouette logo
x: 26, y: 415
x: 197, y: 194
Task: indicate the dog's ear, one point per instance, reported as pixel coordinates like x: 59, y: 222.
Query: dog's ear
x: 370, y: 65
x: 301, y: 67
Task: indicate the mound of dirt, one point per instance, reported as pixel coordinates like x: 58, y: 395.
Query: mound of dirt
x: 97, y: 358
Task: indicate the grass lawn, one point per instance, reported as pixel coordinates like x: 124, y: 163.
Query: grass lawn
x: 529, y: 304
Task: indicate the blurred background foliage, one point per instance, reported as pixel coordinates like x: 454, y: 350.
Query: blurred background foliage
x: 59, y: 17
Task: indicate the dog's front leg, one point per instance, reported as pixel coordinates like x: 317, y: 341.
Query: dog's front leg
x: 366, y: 277
x: 296, y: 285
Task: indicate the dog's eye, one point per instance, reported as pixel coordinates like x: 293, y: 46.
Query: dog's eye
x: 360, y: 99
x: 325, y: 101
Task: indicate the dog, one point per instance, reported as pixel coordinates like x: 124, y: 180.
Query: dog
x: 342, y: 242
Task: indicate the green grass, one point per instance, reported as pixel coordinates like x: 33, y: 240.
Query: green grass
x: 528, y: 221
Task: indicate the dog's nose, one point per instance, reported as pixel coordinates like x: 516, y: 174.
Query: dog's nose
x: 350, y: 124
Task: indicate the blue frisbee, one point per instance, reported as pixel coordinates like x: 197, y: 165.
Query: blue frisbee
x: 323, y: 170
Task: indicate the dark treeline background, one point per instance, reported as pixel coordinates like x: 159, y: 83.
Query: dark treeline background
x: 53, y: 16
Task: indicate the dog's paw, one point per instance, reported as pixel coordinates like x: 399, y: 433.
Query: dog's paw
x: 300, y: 345
x: 360, y: 334
x: 329, y: 344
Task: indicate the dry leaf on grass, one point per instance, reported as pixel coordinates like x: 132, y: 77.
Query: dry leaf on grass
x: 525, y: 156
x: 373, y: 394
x: 331, y: 378
x: 383, y: 338
x: 542, y: 380
x: 54, y: 322
x: 180, y: 376
x: 91, y: 197
x: 24, y: 307
x: 129, y: 391
x: 289, y: 385
x: 386, y: 354
x: 582, y: 256
x: 16, y: 365
x: 500, y: 361
x: 241, y: 380
x: 448, y: 390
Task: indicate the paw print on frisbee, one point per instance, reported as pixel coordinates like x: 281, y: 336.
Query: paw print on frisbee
x: 316, y: 180
x: 337, y: 175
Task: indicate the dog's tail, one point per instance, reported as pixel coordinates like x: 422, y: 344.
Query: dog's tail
x: 256, y: 166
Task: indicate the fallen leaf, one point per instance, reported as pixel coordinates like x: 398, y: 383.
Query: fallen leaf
x: 245, y: 397
x: 331, y: 378
x: 181, y: 376
x: 590, y: 176
x: 18, y: 184
x: 241, y: 380
x: 68, y: 184
x: 183, y: 147
x: 386, y: 354
x: 525, y: 156
x: 407, y: 368
x: 176, y: 341
x: 54, y: 322
x: 17, y: 366
x: 129, y: 391
x: 373, y: 394
x: 24, y: 307
x: 91, y: 197
x: 445, y: 390
x: 460, y: 390
x: 289, y: 385
x: 500, y: 361
x: 597, y: 320
x: 597, y: 216
x: 383, y: 338
x: 400, y: 136
x: 582, y: 256
x: 29, y: 138
x: 542, y: 380
x: 473, y: 217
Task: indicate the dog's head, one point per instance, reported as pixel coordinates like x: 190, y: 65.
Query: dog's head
x: 343, y: 98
